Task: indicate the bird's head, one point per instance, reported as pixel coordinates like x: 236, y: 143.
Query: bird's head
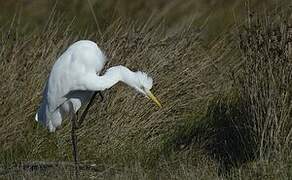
x: 143, y: 84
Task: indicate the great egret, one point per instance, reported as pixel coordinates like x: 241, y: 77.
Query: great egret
x: 74, y: 79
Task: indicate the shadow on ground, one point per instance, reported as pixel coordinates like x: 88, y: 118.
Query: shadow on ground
x: 225, y: 133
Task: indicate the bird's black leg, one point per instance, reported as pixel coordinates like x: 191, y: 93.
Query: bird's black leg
x: 74, y: 145
x: 83, y: 115
x: 77, y: 121
x: 81, y: 119
x: 101, y: 96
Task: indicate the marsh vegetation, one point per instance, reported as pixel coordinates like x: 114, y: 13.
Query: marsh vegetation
x: 222, y: 70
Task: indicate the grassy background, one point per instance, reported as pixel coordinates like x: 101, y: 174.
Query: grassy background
x: 222, y: 70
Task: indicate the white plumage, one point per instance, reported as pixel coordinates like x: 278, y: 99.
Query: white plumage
x: 74, y: 78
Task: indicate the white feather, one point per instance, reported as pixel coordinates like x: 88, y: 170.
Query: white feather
x: 74, y: 78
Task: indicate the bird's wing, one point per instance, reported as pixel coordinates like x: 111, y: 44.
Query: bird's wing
x: 69, y: 70
x: 59, y: 83
x: 56, y: 96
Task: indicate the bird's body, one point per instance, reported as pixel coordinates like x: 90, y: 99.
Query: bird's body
x: 63, y: 92
x: 74, y: 79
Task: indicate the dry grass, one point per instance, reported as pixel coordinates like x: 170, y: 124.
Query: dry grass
x: 266, y: 81
x: 226, y: 106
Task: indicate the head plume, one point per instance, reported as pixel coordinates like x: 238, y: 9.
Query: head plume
x: 144, y: 80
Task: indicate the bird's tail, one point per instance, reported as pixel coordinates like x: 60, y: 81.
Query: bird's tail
x: 36, y: 117
x: 40, y: 115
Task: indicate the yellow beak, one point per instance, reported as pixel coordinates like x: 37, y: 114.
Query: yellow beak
x: 153, y: 98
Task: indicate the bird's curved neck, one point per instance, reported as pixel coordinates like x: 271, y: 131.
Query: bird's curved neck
x: 121, y: 73
x: 113, y: 75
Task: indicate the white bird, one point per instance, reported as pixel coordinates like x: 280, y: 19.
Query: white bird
x: 73, y: 80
